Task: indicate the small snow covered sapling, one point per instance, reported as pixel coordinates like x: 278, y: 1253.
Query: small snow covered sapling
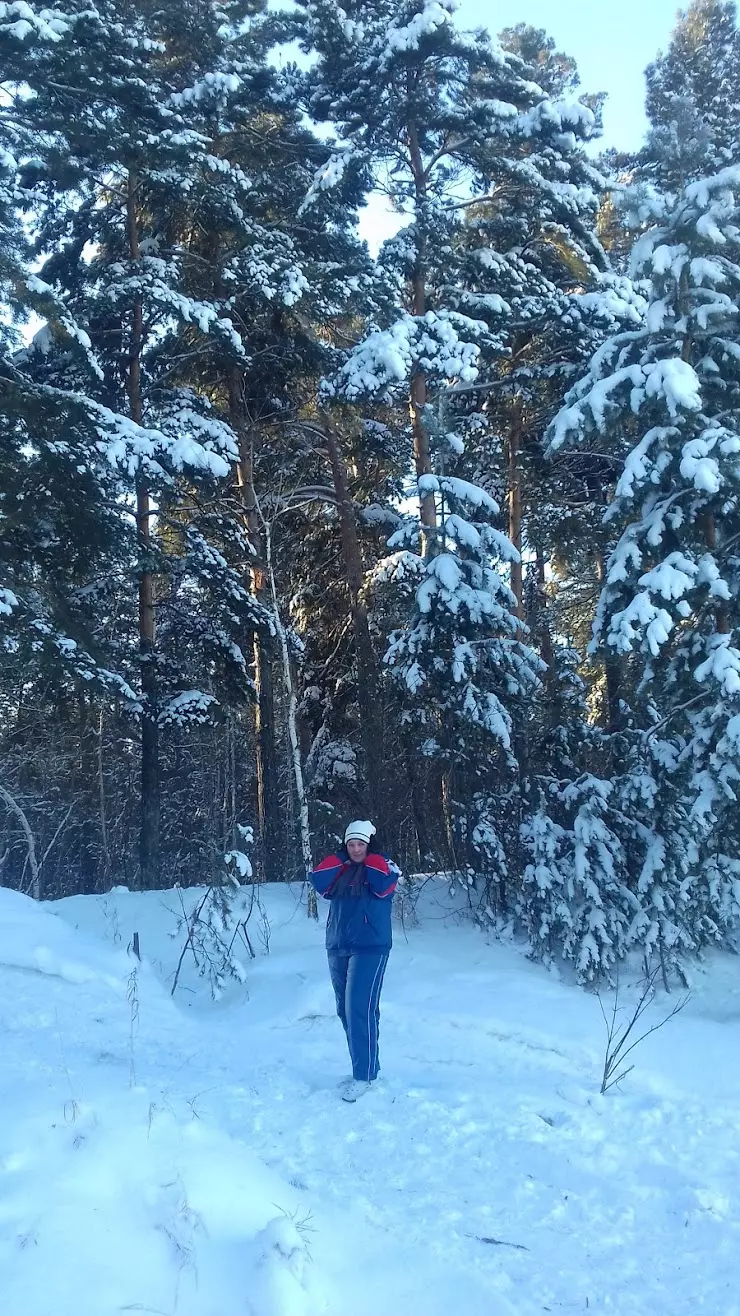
x: 621, y: 1035
x: 218, y: 920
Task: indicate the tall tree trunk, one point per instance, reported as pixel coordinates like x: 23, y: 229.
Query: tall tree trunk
x: 418, y: 797
x: 543, y: 620
x: 448, y: 815
x: 102, y: 808
x: 149, y: 833
x: 295, y: 749
x: 232, y: 807
x: 268, y: 802
x: 268, y: 799
x: 721, y: 623
x: 368, y: 685
x: 721, y: 619
x: 433, y: 805
x: 612, y: 670
x: 515, y: 505
x: 418, y: 390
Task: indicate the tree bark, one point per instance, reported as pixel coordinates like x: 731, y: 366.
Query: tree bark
x: 368, y: 685
x: 149, y: 833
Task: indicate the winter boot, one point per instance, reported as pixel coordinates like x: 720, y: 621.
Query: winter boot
x: 355, y: 1089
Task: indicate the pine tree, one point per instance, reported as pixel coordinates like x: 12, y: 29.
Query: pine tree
x: 535, y: 272
x: 691, y: 97
x: 285, y: 279
x: 458, y: 120
x: 443, y: 97
x: 465, y: 668
x: 117, y: 109
x: 671, y: 588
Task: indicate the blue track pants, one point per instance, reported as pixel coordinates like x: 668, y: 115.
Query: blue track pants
x: 357, y: 981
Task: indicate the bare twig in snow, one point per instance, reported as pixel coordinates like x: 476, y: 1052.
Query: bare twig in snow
x: 618, y: 1034
x: 192, y: 923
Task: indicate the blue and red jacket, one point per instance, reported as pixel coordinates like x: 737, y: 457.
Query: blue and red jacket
x: 361, y: 898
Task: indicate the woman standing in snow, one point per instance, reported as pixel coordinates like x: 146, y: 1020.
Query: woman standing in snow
x: 359, y: 883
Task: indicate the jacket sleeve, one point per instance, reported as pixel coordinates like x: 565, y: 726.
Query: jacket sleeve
x: 325, y: 875
x: 380, y: 879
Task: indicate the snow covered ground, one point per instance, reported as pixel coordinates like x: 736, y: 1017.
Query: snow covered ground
x: 186, y: 1158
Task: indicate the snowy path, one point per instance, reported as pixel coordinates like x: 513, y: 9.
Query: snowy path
x: 489, y: 1128
x: 485, y: 1176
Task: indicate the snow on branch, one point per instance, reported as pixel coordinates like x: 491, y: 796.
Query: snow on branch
x: 213, y: 86
x: 442, y: 344
x: 330, y: 174
x: 433, y: 16
x: 671, y: 381
x: 566, y: 118
x: 187, y: 708
x: 194, y: 445
x: 722, y: 665
x: 8, y: 601
x: 19, y: 21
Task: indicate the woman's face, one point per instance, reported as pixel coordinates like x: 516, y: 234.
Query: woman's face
x: 357, y: 851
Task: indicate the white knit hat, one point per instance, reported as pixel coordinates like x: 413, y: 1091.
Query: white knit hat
x: 359, y: 831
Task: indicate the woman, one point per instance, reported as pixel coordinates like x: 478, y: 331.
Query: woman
x: 359, y: 883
